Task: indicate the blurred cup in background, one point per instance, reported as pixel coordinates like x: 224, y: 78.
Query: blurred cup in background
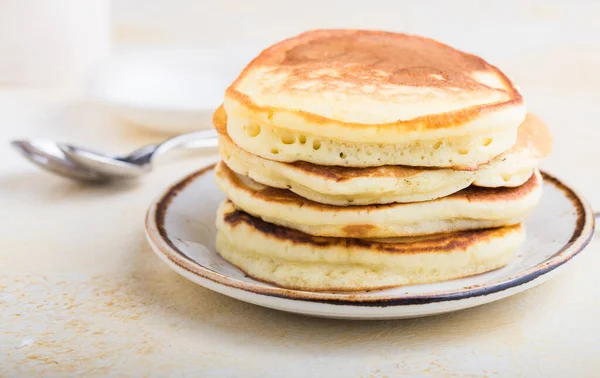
x: 52, y: 43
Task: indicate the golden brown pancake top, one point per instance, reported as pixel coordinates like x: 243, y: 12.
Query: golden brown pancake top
x: 372, y: 58
x: 341, y: 174
x: 378, y: 59
x: 450, y: 242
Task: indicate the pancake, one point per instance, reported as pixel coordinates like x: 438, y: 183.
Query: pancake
x: 369, y: 98
x: 295, y: 260
x: 470, y: 208
x: 515, y: 166
x: 344, y: 186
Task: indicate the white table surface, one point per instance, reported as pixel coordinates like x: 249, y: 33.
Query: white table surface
x: 82, y: 293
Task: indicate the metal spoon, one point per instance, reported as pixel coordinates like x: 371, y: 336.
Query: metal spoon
x: 86, y: 165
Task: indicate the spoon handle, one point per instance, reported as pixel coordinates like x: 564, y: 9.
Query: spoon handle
x: 196, y: 139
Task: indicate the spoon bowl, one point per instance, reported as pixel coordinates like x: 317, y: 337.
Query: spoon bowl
x: 83, y: 164
x: 112, y: 167
x: 47, y: 155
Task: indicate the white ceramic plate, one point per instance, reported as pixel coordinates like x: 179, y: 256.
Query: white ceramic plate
x: 171, y: 91
x: 180, y: 228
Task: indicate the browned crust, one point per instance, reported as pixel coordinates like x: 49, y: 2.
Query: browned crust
x: 439, y: 243
x: 507, y: 194
x: 342, y: 174
x: 359, y: 230
x: 470, y: 194
x: 429, y: 122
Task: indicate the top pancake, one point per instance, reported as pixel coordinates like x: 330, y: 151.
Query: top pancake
x: 383, y: 87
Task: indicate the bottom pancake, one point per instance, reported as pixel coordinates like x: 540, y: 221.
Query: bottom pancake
x: 295, y: 260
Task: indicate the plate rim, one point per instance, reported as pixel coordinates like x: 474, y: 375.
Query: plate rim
x: 157, y: 237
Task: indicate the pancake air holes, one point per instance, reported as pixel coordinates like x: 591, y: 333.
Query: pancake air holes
x: 369, y: 153
x: 270, y: 115
x: 487, y: 142
x: 437, y: 145
x: 288, y: 138
x: 302, y: 138
x: 463, y: 151
x: 274, y: 151
x: 401, y: 153
x: 342, y: 155
x: 350, y: 200
x: 316, y: 144
x: 253, y: 130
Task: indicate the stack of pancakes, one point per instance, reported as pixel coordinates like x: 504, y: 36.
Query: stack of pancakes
x: 357, y: 160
